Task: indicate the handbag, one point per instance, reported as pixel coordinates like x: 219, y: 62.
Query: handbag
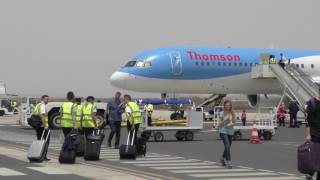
x: 34, y: 121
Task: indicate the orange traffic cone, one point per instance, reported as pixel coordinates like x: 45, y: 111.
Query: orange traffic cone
x: 255, y: 136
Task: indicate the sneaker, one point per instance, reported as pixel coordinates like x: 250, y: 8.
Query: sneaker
x: 223, y: 162
x: 228, y: 165
x: 47, y: 159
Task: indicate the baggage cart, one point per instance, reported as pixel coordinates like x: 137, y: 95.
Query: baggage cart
x: 185, y: 128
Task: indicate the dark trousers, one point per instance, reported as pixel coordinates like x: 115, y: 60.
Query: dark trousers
x: 149, y: 121
x: 39, y: 132
x: 115, y: 129
x: 227, y: 141
x: 66, y: 131
x: 315, y: 140
x: 281, y: 122
x: 129, y: 126
x: 293, y: 120
x: 243, y: 121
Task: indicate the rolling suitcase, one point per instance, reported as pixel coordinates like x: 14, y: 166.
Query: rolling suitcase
x: 305, y: 159
x: 93, y: 145
x: 141, y: 145
x: 38, y: 148
x: 128, y: 151
x: 69, y: 148
x: 80, y: 148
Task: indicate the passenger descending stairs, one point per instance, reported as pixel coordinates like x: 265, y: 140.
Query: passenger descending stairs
x: 297, y: 85
x: 215, y: 98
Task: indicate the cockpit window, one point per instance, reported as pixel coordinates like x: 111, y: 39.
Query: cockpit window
x: 130, y: 64
x: 143, y: 64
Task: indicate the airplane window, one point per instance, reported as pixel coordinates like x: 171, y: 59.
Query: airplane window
x: 312, y: 66
x: 235, y: 64
x: 224, y: 64
x: 240, y: 64
x: 302, y: 65
x: 230, y: 64
x: 147, y: 64
x: 202, y: 63
x: 197, y: 64
x: 208, y: 63
x: 140, y: 64
x: 297, y: 65
x: 130, y: 64
x: 245, y: 64
x: 219, y: 63
x: 251, y: 64
x: 143, y: 64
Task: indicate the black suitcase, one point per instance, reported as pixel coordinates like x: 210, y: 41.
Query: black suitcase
x: 141, y: 145
x: 305, y: 159
x: 93, y: 146
x: 80, y: 148
x: 69, y: 148
x: 128, y: 151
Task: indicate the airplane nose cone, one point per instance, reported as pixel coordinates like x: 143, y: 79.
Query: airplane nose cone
x: 119, y: 79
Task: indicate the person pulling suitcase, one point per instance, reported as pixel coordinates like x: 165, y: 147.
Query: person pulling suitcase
x: 40, y: 113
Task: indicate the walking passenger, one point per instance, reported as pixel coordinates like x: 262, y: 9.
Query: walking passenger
x: 227, y: 120
x: 114, y: 115
x: 313, y: 125
x: 282, y: 115
x: 293, y: 111
x: 244, y: 117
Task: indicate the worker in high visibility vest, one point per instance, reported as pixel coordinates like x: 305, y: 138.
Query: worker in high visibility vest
x: 89, y: 113
x: 68, y: 115
x: 79, y: 113
x: 149, y: 110
x: 40, y: 112
x: 272, y: 59
x: 133, y: 114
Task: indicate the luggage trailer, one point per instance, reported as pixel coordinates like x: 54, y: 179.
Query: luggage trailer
x: 184, y: 131
x: 266, y: 123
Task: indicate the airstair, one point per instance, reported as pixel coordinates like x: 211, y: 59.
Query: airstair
x: 215, y: 98
x: 297, y: 85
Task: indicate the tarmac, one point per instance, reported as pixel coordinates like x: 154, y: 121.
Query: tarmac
x: 171, y: 159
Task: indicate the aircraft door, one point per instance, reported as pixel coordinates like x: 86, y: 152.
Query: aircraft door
x: 176, y: 63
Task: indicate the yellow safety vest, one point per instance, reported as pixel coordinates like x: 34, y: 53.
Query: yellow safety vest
x: 87, y: 121
x: 272, y: 60
x: 66, y: 119
x: 135, y: 109
x: 149, y: 109
x: 78, y: 115
x: 36, y: 112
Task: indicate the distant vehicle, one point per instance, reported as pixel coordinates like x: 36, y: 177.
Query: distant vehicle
x: 29, y: 103
x: 211, y: 71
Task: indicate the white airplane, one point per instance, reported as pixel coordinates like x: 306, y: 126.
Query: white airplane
x: 209, y: 71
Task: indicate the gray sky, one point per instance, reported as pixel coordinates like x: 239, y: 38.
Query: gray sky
x: 59, y: 45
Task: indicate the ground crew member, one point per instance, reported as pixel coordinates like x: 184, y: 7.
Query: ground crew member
x: 149, y: 110
x: 272, y: 59
x: 181, y: 110
x: 134, y: 117
x: 89, y: 112
x: 68, y: 115
x: 113, y: 115
x: 13, y: 104
x: 78, y: 113
x: 41, y: 112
